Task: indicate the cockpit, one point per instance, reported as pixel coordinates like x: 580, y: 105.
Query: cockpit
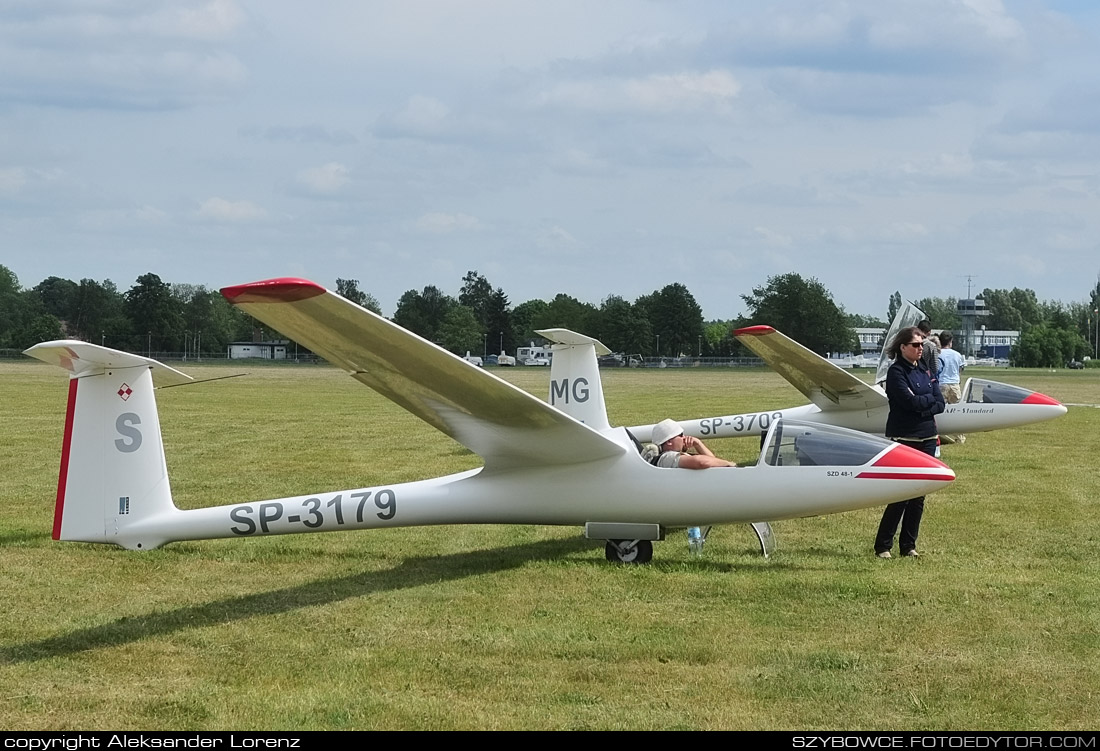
x: 792, y: 443
x: 981, y: 391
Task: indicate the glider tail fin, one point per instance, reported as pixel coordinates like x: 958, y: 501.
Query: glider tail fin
x: 113, y: 478
x: 575, y: 385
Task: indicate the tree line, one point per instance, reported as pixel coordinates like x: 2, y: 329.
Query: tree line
x: 1052, y: 333
x: 156, y: 316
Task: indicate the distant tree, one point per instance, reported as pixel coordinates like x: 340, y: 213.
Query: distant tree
x: 58, y: 297
x: 210, y: 323
x: 893, y: 308
x: 476, y: 294
x: 423, y: 312
x: 498, y: 322
x: 566, y: 312
x: 718, y: 339
x: 12, y: 307
x: 41, y: 327
x: 460, y: 332
x: 943, y: 312
x: 349, y: 290
x: 524, y: 317
x: 1011, y: 310
x: 99, y: 314
x: 156, y: 316
x: 1044, y: 346
x: 621, y: 327
x: 677, y: 319
x: 803, y: 310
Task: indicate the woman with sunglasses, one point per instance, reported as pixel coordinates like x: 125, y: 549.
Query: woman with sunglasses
x: 915, y: 400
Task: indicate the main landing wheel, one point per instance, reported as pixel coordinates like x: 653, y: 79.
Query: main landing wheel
x: 629, y: 551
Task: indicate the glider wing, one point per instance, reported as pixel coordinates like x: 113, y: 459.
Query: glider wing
x: 505, y: 425
x: 827, y: 386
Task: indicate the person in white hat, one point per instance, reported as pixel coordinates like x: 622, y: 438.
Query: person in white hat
x: 683, y: 451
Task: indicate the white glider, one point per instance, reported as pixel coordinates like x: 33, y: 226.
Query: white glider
x: 837, y: 397
x: 559, y: 463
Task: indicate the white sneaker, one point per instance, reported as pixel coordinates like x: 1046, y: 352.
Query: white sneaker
x: 883, y: 554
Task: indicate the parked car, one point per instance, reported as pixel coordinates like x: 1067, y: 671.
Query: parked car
x: 536, y: 361
x: 1075, y: 365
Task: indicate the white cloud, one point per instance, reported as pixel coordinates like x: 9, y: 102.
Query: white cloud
x: 442, y: 224
x: 421, y: 116
x: 113, y: 219
x: 222, y: 210
x: 773, y: 238
x: 12, y: 180
x: 556, y: 238
x: 656, y: 93
x: 211, y: 20
x: 326, y: 179
x: 121, y: 54
x: 1028, y: 264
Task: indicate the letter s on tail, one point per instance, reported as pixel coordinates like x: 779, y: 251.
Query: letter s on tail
x: 113, y: 480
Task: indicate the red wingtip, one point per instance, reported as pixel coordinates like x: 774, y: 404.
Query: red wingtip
x: 284, y: 289
x: 1037, y: 398
x: 754, y: 331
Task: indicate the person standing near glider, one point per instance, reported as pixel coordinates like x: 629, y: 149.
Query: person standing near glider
x: 950, y: 376
x: 915, y: 400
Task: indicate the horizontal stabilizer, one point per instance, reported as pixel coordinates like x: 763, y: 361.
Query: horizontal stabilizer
x: 572, y: 338
x: 82, y: 358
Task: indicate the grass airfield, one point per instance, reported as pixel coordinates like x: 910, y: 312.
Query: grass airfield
x: 997, y: 626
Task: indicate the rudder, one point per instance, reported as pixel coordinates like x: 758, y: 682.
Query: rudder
x: 113, y: 473
x: 575, y: 385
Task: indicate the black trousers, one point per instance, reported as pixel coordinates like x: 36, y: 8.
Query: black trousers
x: 907, y: 512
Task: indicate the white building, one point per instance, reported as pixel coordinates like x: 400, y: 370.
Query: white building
x: 257, y: 350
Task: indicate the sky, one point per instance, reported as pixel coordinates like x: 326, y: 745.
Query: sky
x: 934, y: 147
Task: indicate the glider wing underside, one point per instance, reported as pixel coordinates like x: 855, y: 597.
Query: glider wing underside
x: 505, y: 425
x: 823, y: 383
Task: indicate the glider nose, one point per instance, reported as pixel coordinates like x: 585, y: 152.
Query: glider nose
x: 905, y: 463
x: 1054, y: 407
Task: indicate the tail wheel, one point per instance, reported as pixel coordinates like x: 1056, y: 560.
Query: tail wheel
x: 629, y: 551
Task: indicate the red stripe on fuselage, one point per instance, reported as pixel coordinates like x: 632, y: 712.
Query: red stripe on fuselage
x: 284, y: 289
x: 70, y: 413
x: 903, y: 476
x: 907, y: 456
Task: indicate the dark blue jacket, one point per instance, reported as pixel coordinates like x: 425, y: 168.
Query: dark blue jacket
x: 915, y: 400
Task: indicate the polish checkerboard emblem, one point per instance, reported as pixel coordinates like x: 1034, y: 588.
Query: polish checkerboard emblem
x: 124, y: 392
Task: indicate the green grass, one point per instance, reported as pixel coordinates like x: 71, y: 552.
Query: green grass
x: 498, y: 627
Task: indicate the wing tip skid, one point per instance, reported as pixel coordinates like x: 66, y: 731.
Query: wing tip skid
x: 754, y: 331
x: 283, y: 289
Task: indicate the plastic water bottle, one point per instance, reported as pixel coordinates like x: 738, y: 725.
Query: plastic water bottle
x: 695, y: 540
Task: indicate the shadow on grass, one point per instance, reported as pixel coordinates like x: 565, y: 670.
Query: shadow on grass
x: 17, y: 537
x: 413, y: 572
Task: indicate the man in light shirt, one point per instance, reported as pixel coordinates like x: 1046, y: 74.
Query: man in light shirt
x: 951, y: 367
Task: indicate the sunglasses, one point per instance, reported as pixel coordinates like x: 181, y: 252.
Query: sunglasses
x: 914, y: 344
